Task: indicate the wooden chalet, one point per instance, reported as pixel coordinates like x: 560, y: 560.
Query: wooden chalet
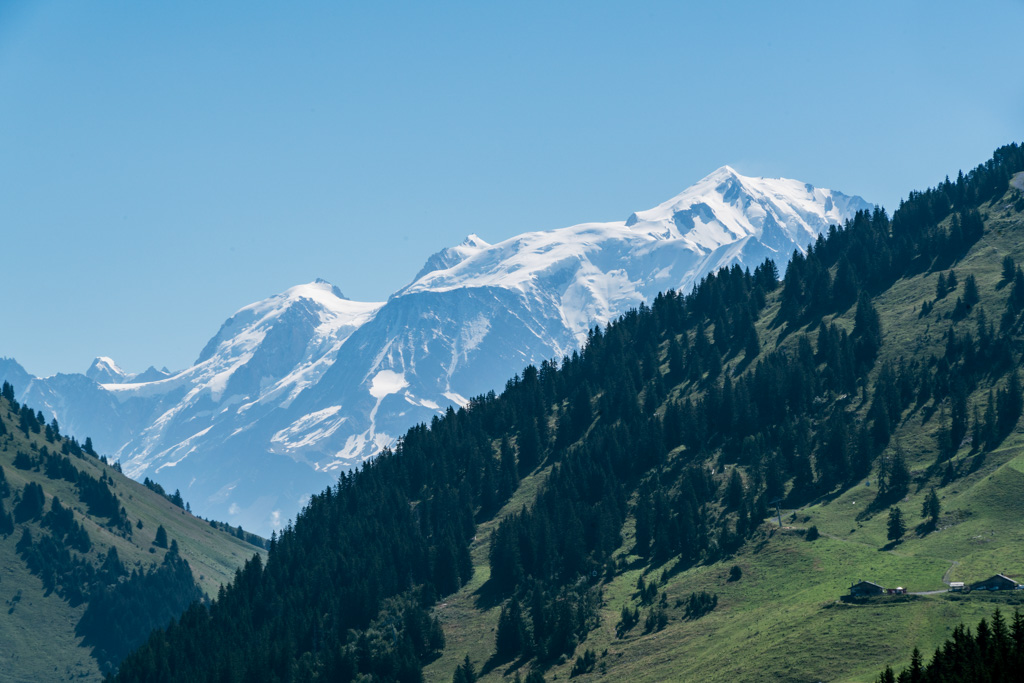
x: 866, y: 588
x: 998, y: 582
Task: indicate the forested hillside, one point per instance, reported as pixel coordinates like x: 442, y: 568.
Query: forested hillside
x: 92, y: 561
x: 608, y: 502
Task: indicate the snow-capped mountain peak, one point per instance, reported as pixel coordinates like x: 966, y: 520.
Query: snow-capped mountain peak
x: 453, y: 256
x: 724, y: 207
x: 319, y: 303
x: 725, y: 215
x: 334, y: 290
x: 105, y: 371
x: 319, y: 291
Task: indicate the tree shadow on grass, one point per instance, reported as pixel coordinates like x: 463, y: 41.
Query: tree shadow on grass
x: 510, y: 665
x: 487, y: 596
x: 925, y: 528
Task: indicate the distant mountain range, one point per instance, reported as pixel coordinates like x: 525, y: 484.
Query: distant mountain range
x: 295, y: 388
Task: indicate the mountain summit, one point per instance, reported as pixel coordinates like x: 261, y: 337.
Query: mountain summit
x: 105, y: 371
x: 724, y: 207
x: 299, y: 386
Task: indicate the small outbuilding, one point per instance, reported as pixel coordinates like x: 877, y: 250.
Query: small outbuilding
x: 998, y: 582
x: 866, y: 588
x: 956, y: 586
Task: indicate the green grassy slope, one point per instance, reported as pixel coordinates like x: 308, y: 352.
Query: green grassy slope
x: 782, y: 620
x: 37, y: 630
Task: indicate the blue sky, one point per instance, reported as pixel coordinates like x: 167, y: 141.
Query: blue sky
x: 163, y: 164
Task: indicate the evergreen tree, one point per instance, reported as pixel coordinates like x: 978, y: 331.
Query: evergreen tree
x: 529, y: 445
x: 991, y: 428
x: 511, y: 638
x: 508, y: 477
x: 1008, y: 269
x: 916, y: 667
x: 7, y: 392
x: 896, y: 526
x: 977, y: 429
x: 1009, y: 404
x: 6, y: 522
x: 112, y: 565
x: 971, y: 296
x: 931, y: 509
x: 584, y: 664
x: 23, y: 461
x: 752, y: 346
x: 867, y: 329
x: 943, y: 437
x: 735, y: 493
x: 535, y: 676
x: 161, y: 537
x: 31, y: 504
x: 957, y: 415
x: 464, y: 673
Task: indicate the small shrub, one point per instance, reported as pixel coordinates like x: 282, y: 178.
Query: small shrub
x: 627, y: 620
x: 584, y: 664
x: 699, y: 604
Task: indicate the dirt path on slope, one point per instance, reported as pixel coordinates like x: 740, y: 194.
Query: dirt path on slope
x: 945, y: 577
x: 945, y: 580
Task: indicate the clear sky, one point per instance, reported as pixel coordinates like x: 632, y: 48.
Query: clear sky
x: 164, y: 163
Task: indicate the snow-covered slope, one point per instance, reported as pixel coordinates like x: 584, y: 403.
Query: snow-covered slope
x: 296, y: 387
x: 261, y: 359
